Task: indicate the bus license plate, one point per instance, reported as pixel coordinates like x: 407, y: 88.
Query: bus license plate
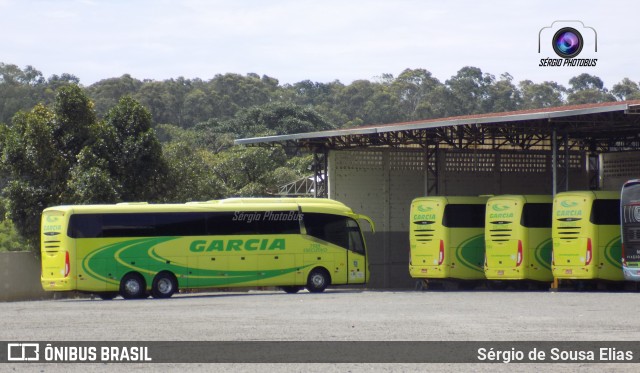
x: 568, y: 271
x: 500, y: 273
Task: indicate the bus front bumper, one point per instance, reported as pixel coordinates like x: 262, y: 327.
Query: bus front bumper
x: 574, y: 273
x: 56, y: 285
x: 631, y: 274
x: 504, y: 274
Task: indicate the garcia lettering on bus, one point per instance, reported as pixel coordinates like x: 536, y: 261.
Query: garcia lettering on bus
x: 238, y: 245
x: 569, y: 213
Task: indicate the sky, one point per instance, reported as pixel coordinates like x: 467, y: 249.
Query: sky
x: 317, y: 40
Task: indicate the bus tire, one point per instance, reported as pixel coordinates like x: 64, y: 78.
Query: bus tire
x: 133, y: 286
x: 164, y: 285
x: 107, y: 296
x: 291, y: 289
x: 318, y: 280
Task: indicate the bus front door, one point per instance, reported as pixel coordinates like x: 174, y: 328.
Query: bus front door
x: 356, y: 255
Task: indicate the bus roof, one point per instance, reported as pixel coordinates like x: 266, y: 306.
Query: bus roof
x: 525, y: 198
x: 456, y: 200
x: 230, y: 204
x: 592, y: 194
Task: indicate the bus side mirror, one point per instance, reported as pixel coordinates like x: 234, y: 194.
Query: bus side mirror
x: 368, y: 219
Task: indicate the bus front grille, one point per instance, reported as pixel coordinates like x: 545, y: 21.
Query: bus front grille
x: 632, y: 234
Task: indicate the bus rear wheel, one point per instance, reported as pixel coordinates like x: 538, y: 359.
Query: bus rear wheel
x: 318, y: 280
x: 132, y: 286
x: 164, y: 285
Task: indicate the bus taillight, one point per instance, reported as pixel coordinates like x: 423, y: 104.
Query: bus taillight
x: 441, y: 255
x: 519, y: 257
x: 624, y: 262
x: 67, y: 266
x: 589, y: 252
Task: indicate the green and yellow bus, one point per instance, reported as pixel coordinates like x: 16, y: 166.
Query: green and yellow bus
x: 518, y: 240
x: 586, y: 236
x: 630, y: 228
x: 137, y: 249
x: 446, y: 237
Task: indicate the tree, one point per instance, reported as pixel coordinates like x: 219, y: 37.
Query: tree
x: 19, y: 89
x: 472, y: 89
x: 414, y: 89
x: 36, y: 169
x: 190, y: 174
x: 38, y: 151
x: 275, y: 119
x: 587, y: 89
x: 236, y: 92
x: 504, y: 94
x: 542, y: 95
x: 627, y: 89
x: 126, y: 149
x: 248, y: 171
x: 106, y: 93
x: 63, y: 155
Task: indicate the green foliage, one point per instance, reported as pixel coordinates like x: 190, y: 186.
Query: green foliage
x: 275, y: 119
x: 546, y: 94
x: 106, y: 93
x: 10, y: 240
x: 587, y: 89
x: 627, y: 89
x: 127, y: 149
x: 191, y: 173
x: 62, y: 155
x: 247, y: 171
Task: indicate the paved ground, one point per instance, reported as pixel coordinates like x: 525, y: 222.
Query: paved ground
x: 336, y: 315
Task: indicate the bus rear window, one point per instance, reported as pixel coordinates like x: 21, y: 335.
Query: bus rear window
x: 605, y: 212
x: 464, y: 216
x: 537, y: 215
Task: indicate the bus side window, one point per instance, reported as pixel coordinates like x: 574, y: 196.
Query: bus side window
x: 463, y: 216
x: 605, y: 212
x: 327, y: 227
x: 537, y: 215
x: 85, y: 226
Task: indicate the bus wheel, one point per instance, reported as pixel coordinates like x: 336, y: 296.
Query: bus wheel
x: 107, y: 296
x: 291, y: 289
x: 164, y: 285
x: 318, y: 280
x: 132, y: 286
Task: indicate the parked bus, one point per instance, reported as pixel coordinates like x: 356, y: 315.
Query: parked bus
x: 136, y: 249
x: 630, y: 220
x: 518, y: 240
x: 446, y: 237
x: 586, y: 236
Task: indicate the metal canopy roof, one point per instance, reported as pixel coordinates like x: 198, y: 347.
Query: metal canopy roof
x: 603, y: 127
